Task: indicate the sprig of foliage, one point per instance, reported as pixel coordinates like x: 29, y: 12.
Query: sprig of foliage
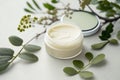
x: 106, y: 34
x: 98, y: 46
x: 32, y: 9
x: 7, y: 55
x: 81, y: 67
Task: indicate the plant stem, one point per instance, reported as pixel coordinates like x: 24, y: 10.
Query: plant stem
x: 103, y: 18
x: 26, y: 44
x: 85, y: 67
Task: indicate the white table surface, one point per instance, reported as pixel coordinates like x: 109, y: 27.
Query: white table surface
x: 49, y: 68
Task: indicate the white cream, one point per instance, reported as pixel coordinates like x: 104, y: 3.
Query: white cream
x: 63, y: 40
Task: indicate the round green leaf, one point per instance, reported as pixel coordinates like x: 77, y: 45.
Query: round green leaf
x: 89, y: 56
x: 3, y: 65
x: 28, y: 56
x: 5, y: 58
x: 113, y: 41
x: 86, y: 74
x: 99, y: 45
x: 16, y: 41
x: 70, y: 71
x: 118, y: 35
x: 32, y: 48
x: 78, y: 64
x: 98, y: 59
x: 6, y: 52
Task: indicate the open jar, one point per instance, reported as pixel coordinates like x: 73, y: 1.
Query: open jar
x: 63, y: 40
x: 88, y: 22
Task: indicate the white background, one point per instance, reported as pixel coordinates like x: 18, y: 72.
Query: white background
x: 49, y: 68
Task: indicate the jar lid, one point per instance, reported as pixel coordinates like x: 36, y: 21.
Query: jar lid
x: 88, y: 22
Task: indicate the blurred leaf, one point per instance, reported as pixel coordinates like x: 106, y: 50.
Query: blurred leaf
x: 113, y: 41
x: 99, y: 45
x: 6, y: 52
x: 89, y: 56
x: 78, y: 63
x: 30, y: 6
x: 28, y: 56
x: 32, y: 48
x: 118, y: 35
x: 110, y: 13
x: 16, y: 41
x: 5, y: 58
x: 3, y: 65
x: 118, y: 11
x: 104, y: 5
x: 84, y: 3
x: 115, y: 5
x: 109, y: 28
x: 35, y: 3
x: 54, y: 1
x: 70, y: 71
x: 106, y: 34
x: 94, y: 2
x: 98, y: 59
x: 29, y: 11
x: 48, y: 6
x: 86, y: 74
x: 117, y: 1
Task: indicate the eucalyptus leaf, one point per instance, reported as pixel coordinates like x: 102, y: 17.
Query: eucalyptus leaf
x: 118, y: 35
x: 54, y: 1
x: 28, y: 57
x: 5, y: 58
x: 30, y: 6
x: 99, y: 45
x: 113, y: 41
x: 35, y: 3
x: 29, y: 11
x: 86, y: 74
x: 16, y: 41
x: 48, y: 6
x: 98, y: 59
x: 32, y: 48
x: 78, y: 63
x: 89, y: 56
x: 70, y: 71
x: 6, y: 52
x: 3, y: 65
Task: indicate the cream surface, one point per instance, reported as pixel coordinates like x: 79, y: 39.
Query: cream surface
x: 64, y: 33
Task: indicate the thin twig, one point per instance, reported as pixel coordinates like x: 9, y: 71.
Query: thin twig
x: 103, y: 18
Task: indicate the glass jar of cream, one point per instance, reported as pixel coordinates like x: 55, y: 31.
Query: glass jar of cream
x: 63, y: 40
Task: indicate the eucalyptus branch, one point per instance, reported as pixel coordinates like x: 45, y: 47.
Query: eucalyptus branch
x: 26, y: 44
